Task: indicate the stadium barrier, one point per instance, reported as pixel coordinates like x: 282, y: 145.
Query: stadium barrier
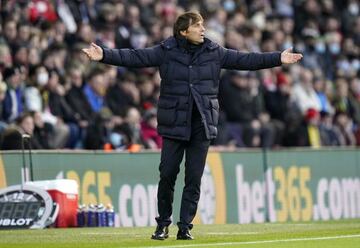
x: 237, y: 187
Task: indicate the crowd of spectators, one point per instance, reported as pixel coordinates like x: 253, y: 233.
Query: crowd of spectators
x: 52, y: 92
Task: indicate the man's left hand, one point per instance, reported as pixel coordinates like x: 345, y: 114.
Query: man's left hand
x: 288, y: 57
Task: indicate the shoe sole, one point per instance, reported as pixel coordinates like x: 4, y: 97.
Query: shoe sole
x: 154, y: 238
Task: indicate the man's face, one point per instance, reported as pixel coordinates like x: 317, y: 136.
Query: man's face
x: 15, y: 80
x: 28, y: 125
x: 99, y: 84
x: 195, y: 33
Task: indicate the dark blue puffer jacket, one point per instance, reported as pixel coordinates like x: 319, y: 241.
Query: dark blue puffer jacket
x: 189, y: 78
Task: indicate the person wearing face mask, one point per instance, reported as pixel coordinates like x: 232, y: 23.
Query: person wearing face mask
x: 334, y: 48
x: 42, y: 78
x: 38, y: 78
x: 188, y: 107
x: 350, y: 14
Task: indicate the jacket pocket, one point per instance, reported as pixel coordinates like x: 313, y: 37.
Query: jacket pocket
x: 166, y: 111
x: 214, y: 103
x: 169, y: 72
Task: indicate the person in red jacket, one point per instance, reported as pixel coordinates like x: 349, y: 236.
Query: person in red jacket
x: 149, y: 134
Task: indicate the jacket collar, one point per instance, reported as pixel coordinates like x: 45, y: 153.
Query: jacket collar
x: 170, y: 43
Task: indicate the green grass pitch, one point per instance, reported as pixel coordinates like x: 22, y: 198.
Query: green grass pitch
x: 310, y: 234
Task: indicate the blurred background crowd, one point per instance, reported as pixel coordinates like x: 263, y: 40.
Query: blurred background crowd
x: 51, y: 91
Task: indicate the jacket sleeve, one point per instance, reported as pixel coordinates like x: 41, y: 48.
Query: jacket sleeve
x: 147, y: 57
x: 235, y: 60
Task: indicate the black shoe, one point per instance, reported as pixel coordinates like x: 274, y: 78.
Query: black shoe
x: 184, y: 235
x: 161, y: 233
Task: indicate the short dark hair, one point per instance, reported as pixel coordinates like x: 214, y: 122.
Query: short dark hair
x: 95, y: 72
x: 185, y: 20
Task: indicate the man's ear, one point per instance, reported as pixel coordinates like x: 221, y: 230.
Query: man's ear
x: 183, y: 32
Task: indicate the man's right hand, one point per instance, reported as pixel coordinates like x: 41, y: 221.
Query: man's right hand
x: 94, y: 52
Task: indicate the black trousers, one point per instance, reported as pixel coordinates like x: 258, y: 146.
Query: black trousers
x: 171, y: 156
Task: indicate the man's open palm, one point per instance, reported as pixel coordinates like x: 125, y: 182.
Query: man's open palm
x: 288, y: 57
x: 94, y: 52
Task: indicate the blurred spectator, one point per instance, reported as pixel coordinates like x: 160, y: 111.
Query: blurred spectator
x: 248, y: 123
x: 39, y: 37
x: 304, y: 92
x: 23, y: 30
x: 342, y: 102
x: 282, y: 108
x: 33, y: 57
x: 99, y: 130
x: 85, y: 34
x: 354, y: 97
x: 95, y: 90
x: 330, y: 134
x: 43, y: 135
x: 149, y: 133
x: 123, y: 95
x: 77, y: 99
x: 3, y: 88
x: 344, y: 123
x: 13, y: 104
x: 309, y: 131
x: 147, y: 90
x: 42, y: 10
x: 12, y: 138
x: 5, y: 56
x: 320, y: 88
x: 61, y: 109
x: 10, y: 31
x: 81, y: 11
x: 38, y: 78
x: 133, y: 119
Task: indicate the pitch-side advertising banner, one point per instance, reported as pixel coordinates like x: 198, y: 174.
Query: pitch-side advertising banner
x: 237, y: 187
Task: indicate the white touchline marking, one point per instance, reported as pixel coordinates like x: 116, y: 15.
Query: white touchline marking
x: 143, y: 235
x: 291, y: 224
x: 258, y: 242
x: 231, y: 233
x: 114, y: 233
